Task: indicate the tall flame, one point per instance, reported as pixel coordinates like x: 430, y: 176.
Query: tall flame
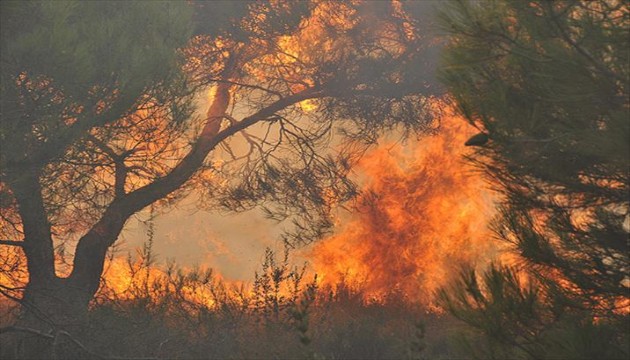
x: 424, y: 212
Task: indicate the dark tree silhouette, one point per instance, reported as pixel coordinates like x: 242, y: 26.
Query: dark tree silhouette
x: 548, y: 83
x: 99, y: 122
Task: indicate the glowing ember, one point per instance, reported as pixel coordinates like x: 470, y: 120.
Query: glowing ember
x: 423, y: 214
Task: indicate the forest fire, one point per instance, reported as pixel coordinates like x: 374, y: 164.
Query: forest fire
x: 424, y: 213
x: 214, y: 132
x: 126, y: 280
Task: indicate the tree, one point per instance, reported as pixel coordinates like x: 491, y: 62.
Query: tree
x: 547, y: 83
x: 99, y: 122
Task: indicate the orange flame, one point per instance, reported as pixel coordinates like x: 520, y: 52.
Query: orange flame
x: 424, y: 212
x: 129, y: 280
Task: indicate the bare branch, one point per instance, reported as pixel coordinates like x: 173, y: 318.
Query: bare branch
x: 12, y: 242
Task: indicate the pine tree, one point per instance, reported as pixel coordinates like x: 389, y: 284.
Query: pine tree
x: 548, y: 83
x: 98, y: 122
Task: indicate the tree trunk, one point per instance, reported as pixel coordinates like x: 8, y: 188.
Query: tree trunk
x: 53, y: 306
x: 52, y: 323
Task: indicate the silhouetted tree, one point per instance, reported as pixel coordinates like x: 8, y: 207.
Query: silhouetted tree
x: 548, y: 83
x: 98, y: 119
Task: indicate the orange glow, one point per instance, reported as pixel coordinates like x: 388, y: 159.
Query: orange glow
x: 128, y: 280
x: 423, y: 214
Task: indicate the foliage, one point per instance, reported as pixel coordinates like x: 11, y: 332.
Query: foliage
x: 69, y: 68
x: 547, y: 82
x: 68, y: 62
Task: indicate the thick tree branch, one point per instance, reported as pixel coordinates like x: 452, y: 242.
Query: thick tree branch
x: 92, y: 247
x: 120, y: 169
x: 41, y: 156
x: 37, y: 244
x: 210, y: 137
x: 56, y: 146
x: 12, y: 242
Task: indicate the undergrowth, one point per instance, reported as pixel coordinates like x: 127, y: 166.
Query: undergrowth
x: 176, y: 313
x: 284, y: 314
